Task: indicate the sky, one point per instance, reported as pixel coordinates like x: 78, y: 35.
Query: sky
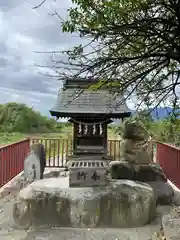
x: 24, y: 32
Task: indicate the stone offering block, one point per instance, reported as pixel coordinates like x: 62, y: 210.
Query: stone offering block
x: 121, y: 204
x: 87, y: 173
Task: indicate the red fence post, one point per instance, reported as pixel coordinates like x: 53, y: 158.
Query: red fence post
x: 57, y: 153
x: 12, y: 160
x: 168, y: 157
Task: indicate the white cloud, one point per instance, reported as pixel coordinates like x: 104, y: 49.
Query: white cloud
x: 38, y: 100
x: 23, y: 31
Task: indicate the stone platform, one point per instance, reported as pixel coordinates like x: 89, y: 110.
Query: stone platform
x: 121, y: 204
x: 9, y: 231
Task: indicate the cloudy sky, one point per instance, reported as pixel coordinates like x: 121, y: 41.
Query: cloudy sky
x: 24, y: 31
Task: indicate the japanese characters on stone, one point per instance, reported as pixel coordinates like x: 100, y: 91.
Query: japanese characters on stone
x: 83, y: 176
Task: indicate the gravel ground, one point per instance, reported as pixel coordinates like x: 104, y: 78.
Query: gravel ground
x: 9, y: 232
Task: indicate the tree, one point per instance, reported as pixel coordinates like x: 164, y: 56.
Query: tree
x: 16, y: 117
x: 173, y: 126
x: 135, y: 43
x: 145, y: 117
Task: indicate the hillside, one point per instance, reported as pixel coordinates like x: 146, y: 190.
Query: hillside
x: 15, y: 117
x: 156, y: 114
x: 159, y: 113
x: 18, y: 121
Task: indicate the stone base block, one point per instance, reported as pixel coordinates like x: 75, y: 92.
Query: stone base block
x: 136, y: 172
x: 121, y: 204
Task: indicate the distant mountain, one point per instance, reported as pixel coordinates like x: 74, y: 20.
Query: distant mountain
x: 159, y: 112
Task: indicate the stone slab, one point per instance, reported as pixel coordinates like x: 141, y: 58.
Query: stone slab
x: 32, y: 167
x: 60, y: 185
x: 52, y: 202
x: 8, y: 232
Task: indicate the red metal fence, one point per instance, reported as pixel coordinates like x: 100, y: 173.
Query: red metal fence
x: 12, y: 160
x: 168, y: 157
x: 12, y: 157
x: 57, y: 150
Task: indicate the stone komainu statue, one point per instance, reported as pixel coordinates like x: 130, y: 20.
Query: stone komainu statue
x: 136, y: 145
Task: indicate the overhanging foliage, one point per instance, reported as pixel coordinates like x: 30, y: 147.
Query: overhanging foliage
x: 135, y: 42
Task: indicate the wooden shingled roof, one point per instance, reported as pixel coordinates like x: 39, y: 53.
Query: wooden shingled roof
x: 77, y: 102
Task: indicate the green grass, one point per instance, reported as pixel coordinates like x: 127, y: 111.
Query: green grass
x: 66, y: 133
x: 56, y: 146
x: 8, y: 138
x: 53, y: 142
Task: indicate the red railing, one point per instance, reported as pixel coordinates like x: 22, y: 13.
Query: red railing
x: 12, y: 157
x: 168, y: 157
x: 12, y: 160
x: 57, y: 150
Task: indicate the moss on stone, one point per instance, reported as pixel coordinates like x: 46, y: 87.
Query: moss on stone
x: 121, y: 204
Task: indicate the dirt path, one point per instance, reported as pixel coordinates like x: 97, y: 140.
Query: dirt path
x: 7, y: 228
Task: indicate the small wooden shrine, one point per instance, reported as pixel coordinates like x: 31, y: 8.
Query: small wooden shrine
x: 90, y: 112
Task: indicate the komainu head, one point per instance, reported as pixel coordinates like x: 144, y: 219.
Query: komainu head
x: 134, y: 129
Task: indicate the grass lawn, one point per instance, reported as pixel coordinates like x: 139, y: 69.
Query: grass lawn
x: 8, y: 138
x: 66, y: 133
x: 53, y: 142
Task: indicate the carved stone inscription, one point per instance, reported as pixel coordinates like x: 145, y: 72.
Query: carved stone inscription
x: 32, y: 169
x: 89, y: 174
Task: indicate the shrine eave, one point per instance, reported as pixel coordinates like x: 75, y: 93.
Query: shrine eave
x: 89, y: 115
x: 107, y: 120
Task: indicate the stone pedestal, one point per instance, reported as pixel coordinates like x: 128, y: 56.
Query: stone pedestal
x: 151, y: 174
x: 88, y: 170
x: 121, y: 204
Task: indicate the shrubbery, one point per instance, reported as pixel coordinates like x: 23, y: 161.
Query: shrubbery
x: 165, y: 130
x: 15, y: 117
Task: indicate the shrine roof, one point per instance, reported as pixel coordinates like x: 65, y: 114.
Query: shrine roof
x: 84, y: 102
